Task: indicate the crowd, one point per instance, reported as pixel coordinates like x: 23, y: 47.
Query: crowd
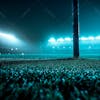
x: 50, y: 80
x: 10, y: 51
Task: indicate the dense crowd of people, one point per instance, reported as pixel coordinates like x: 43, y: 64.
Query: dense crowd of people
x: 50, y: 80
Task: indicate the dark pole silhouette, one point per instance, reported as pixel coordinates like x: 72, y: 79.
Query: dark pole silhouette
x: 75, y: 29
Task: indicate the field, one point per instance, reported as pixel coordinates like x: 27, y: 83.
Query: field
x: 62, y: 79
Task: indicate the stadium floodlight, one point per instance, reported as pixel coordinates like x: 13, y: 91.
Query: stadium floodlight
x: 60, y: 40
x: 91, y: 38
x: 68, y: 39
x: 97, y: 37
x: 8, y: 37
x: 52, y: 40
x: 83, y: 38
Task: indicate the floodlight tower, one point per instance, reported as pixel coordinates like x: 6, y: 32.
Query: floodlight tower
x: 75, y: 29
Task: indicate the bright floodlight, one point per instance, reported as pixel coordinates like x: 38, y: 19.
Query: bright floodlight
x: 68, y: 39
x: 91, y: 38
x: 60, y: 40
x: 97, y: 37
x: 52, y: 40
x: 83, y: 38
x: 8, y: 37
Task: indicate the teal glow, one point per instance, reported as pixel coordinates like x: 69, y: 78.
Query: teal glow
x: 90, y: 42
x: 52, y: 40
x: 8, y: 37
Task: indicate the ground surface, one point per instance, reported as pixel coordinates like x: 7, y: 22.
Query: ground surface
x: 50, y: 79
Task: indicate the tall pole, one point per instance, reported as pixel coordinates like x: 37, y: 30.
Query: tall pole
x: 75, y: 29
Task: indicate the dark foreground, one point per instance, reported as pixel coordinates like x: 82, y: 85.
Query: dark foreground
x: 50, y: 80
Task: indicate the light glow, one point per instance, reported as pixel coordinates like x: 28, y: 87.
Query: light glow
x: 83, y: 38
x: 68, y: 41
x: 91, y: 38
x: 52, y: 40
x: 97, y: 37
x: 9, y: 37
x: 22, y: 54
x: 60, y: 40
x: 12, y: 49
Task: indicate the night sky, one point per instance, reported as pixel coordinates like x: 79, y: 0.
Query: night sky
x: 34, y: 21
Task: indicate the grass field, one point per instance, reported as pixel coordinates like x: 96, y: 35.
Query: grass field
x: 65, y: 79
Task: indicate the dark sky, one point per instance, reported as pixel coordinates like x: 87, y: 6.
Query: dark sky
x: 36, y: 20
